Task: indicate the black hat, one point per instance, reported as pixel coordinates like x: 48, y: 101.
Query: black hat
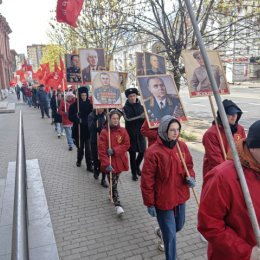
x: 83, y: 90
x: 131, y: 91
x: 253, y: 136
x: 232, y: 110
x: 115, y: 111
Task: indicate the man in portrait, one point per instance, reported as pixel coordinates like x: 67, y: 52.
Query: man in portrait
x: 140, y: 64
x: 200, y: 80
x: 159, y: 103
x: 153, y: 67
x: 92, y: 59
x: 73, y: 72
x: 106, y: 94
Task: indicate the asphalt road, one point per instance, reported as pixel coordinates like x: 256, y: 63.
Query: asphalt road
x: 248, y: 99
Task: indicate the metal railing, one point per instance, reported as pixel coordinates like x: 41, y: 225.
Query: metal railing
x: 20, y: 231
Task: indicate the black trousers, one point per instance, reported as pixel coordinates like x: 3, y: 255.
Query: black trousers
x: 135, y: 162
x: 84, y: 146
x: 44, y: 109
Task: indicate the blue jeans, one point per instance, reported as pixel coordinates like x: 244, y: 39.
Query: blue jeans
x: 29, y: 101
x: 68, y: 135
x: 170, y: 222
x: 59, y: 128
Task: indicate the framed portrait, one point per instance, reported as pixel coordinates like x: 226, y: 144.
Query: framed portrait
x: 160, y: 97
x: 140, y: 66
x: 106, y: 89
x: 123, y: 80
x: 154, y: 64
x: 197, y: 76
x: 91, y: 60
x: 73, y: 72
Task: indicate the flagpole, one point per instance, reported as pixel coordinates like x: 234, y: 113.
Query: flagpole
x: 239, y: 169
x: 110, y: 159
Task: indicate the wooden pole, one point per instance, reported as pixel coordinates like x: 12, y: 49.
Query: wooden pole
x: 216, y: 124
x: 110, y: 159
x: 187, y: 172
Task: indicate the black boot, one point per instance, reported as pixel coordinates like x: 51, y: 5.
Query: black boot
x: 103, y: 181
x: 89, y: 167
x: 78, y: 163
x: 96, y: 173
x: 134, y: 177
x: 138, y: 171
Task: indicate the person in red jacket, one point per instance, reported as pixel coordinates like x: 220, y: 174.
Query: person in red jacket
x: 66, y: 123
x: 223, y: 218
x: 120, y: 143
x: 213, y: 153
x: 164, y: 185
x: 150, y: 133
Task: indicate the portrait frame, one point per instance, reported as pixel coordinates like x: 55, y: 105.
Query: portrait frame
x: 150, y: 104
x: 84, y: 65
x: 161, y: 60
x: 100, y: 98
x: 197, y: 75
x: 123, y: 77
x: 139, y: 64
x: 71, y: 77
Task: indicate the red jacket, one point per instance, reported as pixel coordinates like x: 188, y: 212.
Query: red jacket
x: 163, y: 176
x: 223, y: 218
x: 213, y: 152
x: 120, y: 144
x: 150, y: 133
x: 65, y: 115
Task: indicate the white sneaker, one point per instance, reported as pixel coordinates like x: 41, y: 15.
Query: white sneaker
x: 119, y: 211
x: 58, y: 135
x: 158, y: 233
x: 63, y: 134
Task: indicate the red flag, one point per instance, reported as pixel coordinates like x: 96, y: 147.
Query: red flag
x: 13, y: 82
x: 21, y: 74
x: 67, y: 11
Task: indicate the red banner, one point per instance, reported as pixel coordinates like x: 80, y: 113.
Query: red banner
x: 67, y: 11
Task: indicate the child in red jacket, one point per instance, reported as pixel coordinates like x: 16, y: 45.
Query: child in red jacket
x: 120, y: 144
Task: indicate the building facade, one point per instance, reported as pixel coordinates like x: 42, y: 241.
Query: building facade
x: 34, y: 53
x: 5, y: 55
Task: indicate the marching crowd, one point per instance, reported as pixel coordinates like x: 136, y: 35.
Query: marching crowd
x: 97, y: 134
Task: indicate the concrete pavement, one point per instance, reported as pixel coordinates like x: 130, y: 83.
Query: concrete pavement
x: 84, y: 222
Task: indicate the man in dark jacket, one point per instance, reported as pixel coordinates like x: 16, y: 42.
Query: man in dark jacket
x: 80, y: 118
x: 96, y: 121
x: 134, y: 118
x: 43, y: 101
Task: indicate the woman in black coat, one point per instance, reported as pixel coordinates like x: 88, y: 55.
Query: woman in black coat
x: 134, y: 118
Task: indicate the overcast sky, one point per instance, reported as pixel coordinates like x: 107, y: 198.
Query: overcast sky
x: 28, y: 20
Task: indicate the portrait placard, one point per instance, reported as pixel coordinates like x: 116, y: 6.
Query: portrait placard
x: 160, y: 98
x: 197, y: 76
x: 73, y: 72
x: 91, y: 60
x: 123, y: 80
x: 140, y: 66
x: 106, y: 89
x: 154, y: 64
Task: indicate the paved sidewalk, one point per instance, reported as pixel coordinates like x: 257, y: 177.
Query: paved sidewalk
x: 84, y: 222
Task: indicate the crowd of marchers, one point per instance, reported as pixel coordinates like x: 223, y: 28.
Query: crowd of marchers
x: 223, y: 218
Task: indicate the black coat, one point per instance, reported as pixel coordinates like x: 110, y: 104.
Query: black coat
x: 54, y: 107
x: 95, y: 125
x: 134, y: 118
x: 81, y: 118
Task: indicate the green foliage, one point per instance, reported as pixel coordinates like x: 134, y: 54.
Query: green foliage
x: 188, y: 136
x: 51, y: 53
